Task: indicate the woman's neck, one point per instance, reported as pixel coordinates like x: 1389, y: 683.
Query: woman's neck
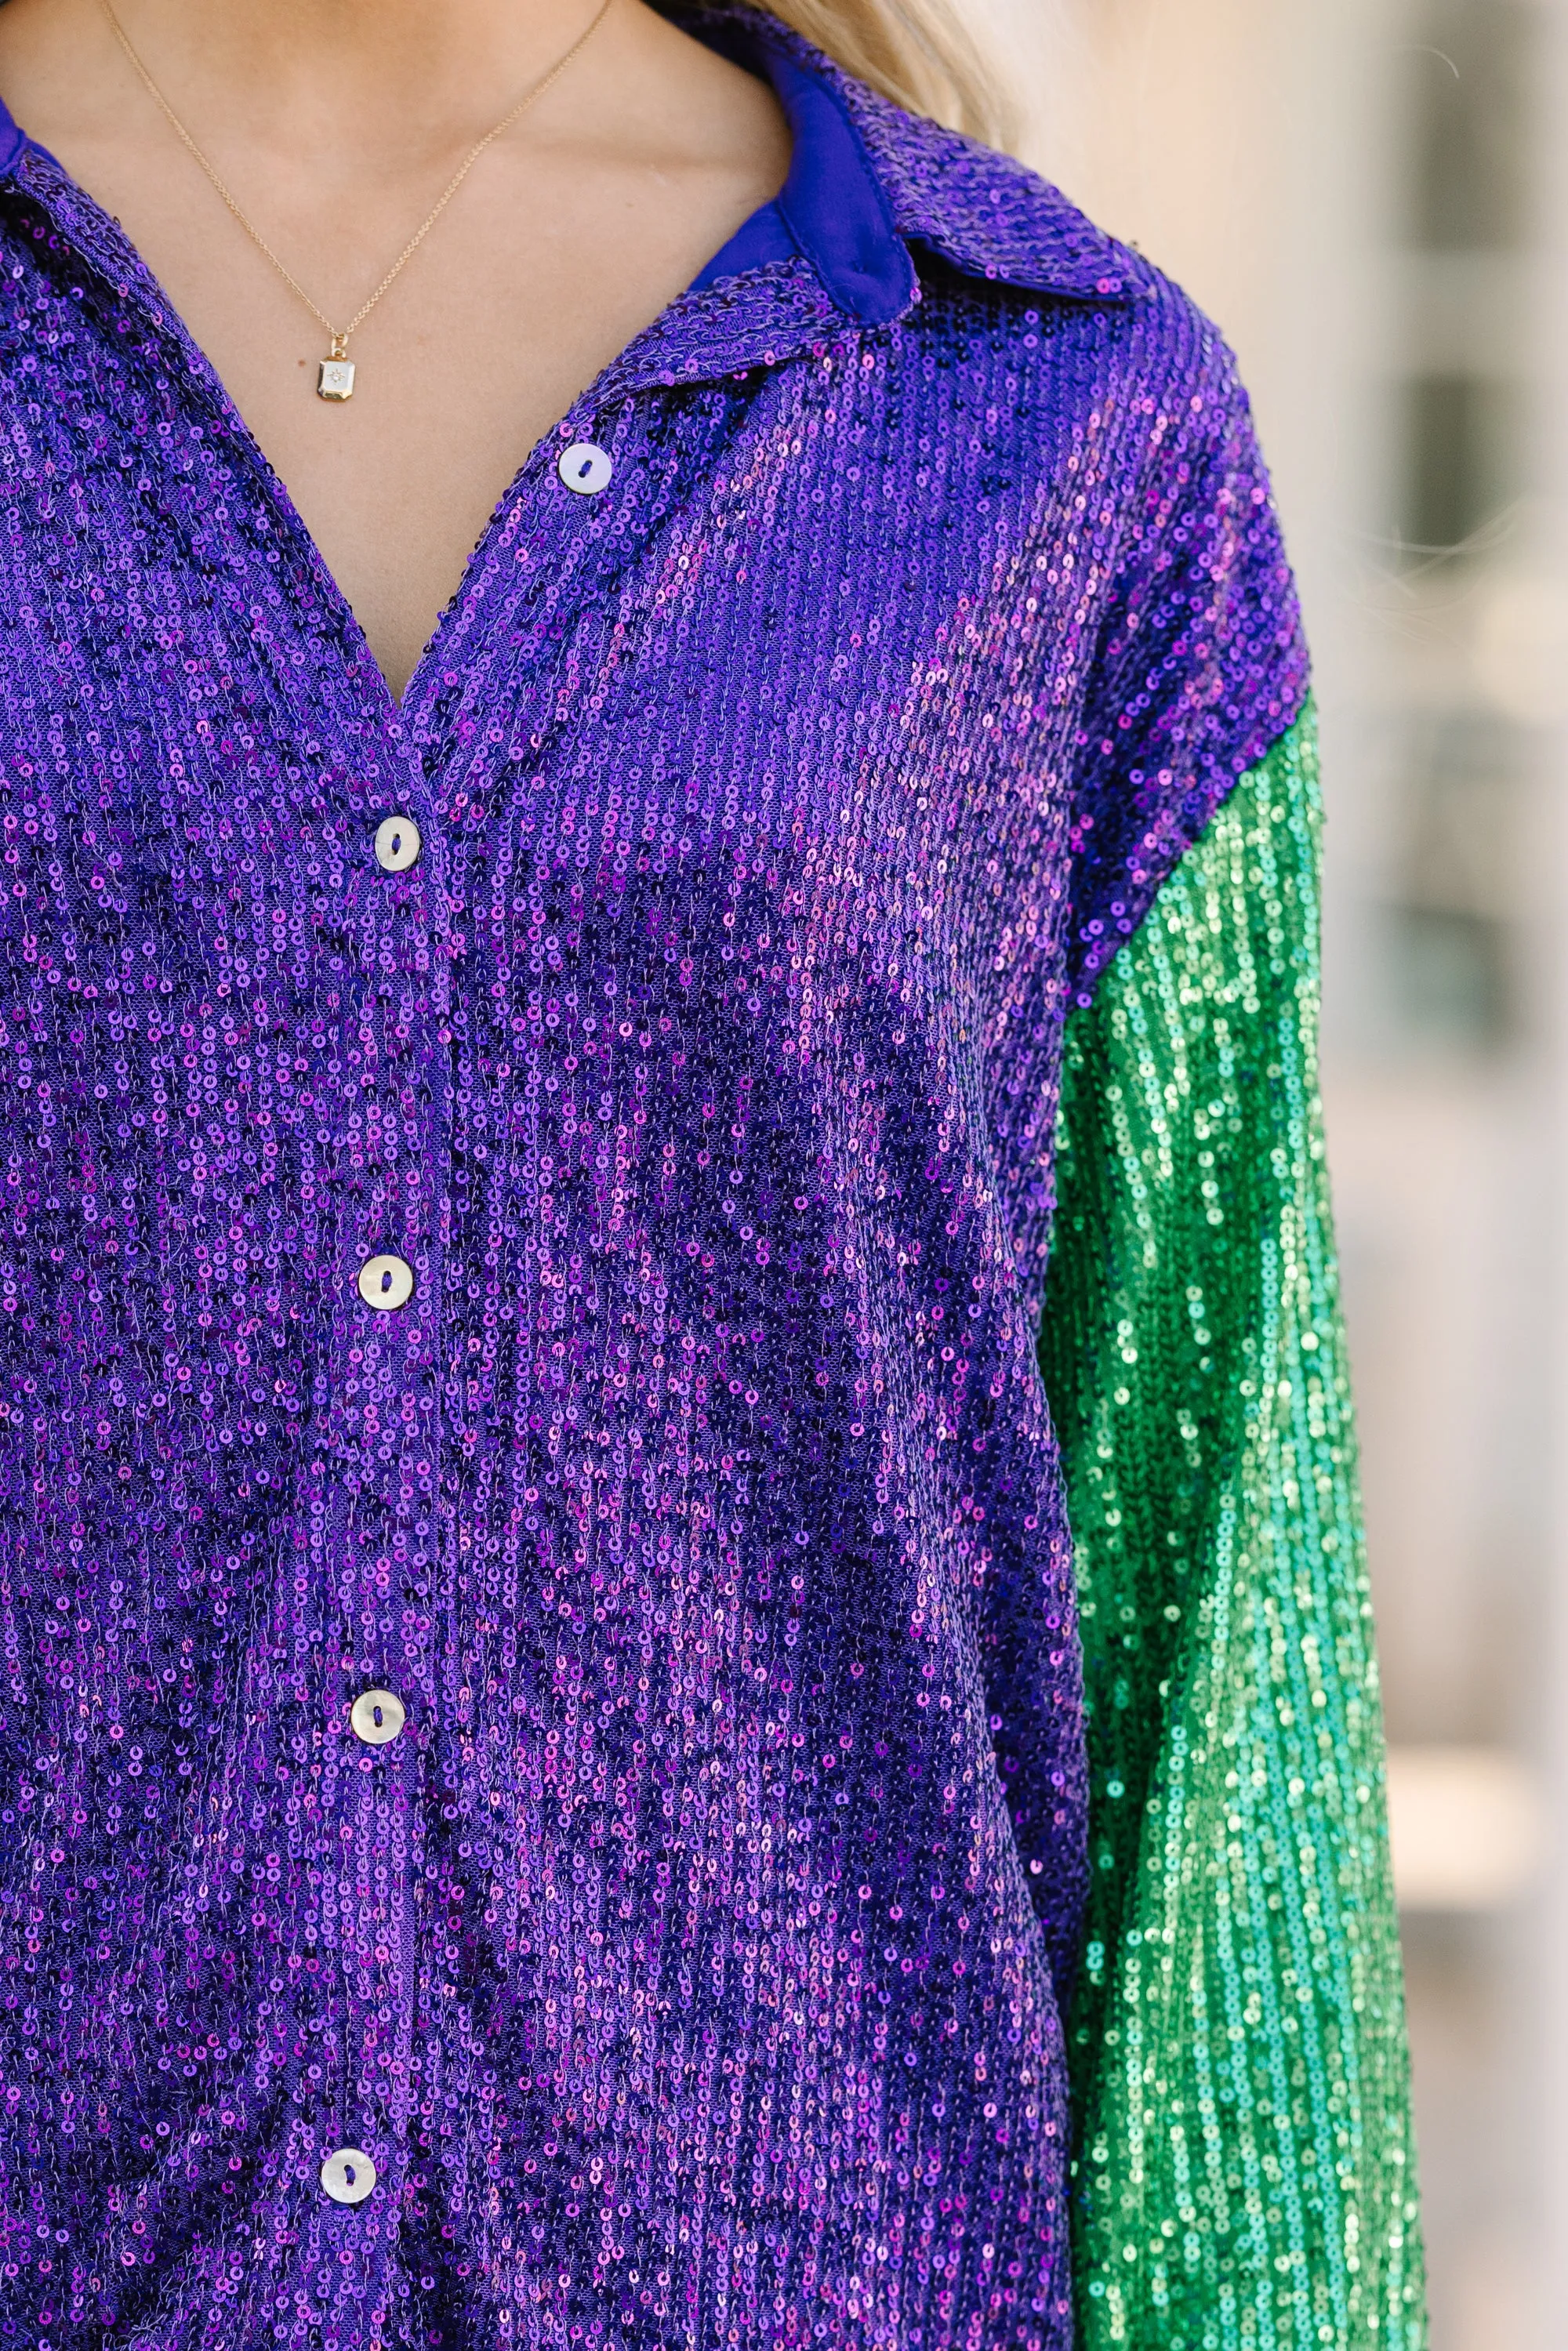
x: 355, y: 77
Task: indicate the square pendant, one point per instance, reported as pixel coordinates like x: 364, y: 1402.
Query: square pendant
x: 335, y: 379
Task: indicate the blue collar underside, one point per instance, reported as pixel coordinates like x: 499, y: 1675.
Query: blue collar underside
x: 830, y: 208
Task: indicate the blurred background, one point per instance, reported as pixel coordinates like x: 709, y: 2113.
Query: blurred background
x: 1370, y: 197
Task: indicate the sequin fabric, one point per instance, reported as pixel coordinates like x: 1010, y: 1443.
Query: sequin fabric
x: 1243, y: 2160
x: 690, y: 1964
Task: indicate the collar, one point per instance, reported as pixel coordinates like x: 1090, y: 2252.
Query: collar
x: 831, y: 207
x: 868, y: 183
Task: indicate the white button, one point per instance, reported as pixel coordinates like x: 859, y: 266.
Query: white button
x: 348, y: 2175
x: 397, y: 844
x: 376, y: 1715
x: 386, y: 1284
x: 585, y: 468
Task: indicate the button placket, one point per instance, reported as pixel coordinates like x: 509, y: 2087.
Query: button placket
x: 385, y: 1470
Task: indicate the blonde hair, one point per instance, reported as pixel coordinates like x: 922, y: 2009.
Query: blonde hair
x: 917, y: 52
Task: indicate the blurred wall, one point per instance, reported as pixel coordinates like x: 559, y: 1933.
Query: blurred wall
x: 1371, y: 198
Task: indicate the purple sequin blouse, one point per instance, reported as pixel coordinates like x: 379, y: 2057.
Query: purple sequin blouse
x: 542, y: 1771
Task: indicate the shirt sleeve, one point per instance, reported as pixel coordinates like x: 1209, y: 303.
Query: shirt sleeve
x: 1243, y: 2164
x: 1198, y: 665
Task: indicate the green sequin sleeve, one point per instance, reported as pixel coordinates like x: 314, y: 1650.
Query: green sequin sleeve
x: 1244, y: 2172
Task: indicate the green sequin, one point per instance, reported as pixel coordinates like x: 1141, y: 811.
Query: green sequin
x: 1244, y: 2173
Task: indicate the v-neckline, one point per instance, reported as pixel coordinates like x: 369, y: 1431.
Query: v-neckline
x: 143, y: 284
x: 824, y: 255
x: 843, y: 267
x: 134, y: 277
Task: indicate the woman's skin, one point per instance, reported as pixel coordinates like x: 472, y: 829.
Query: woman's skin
x: 337, y: 123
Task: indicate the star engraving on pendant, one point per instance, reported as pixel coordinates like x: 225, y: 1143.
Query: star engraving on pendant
x: 335, y: 378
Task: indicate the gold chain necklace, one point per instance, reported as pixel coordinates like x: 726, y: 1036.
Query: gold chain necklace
x: 335, y: 374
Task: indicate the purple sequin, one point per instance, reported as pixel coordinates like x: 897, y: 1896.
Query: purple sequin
x: 689, y: 1965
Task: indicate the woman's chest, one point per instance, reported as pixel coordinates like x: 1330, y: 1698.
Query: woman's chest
x: 759, y: 674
